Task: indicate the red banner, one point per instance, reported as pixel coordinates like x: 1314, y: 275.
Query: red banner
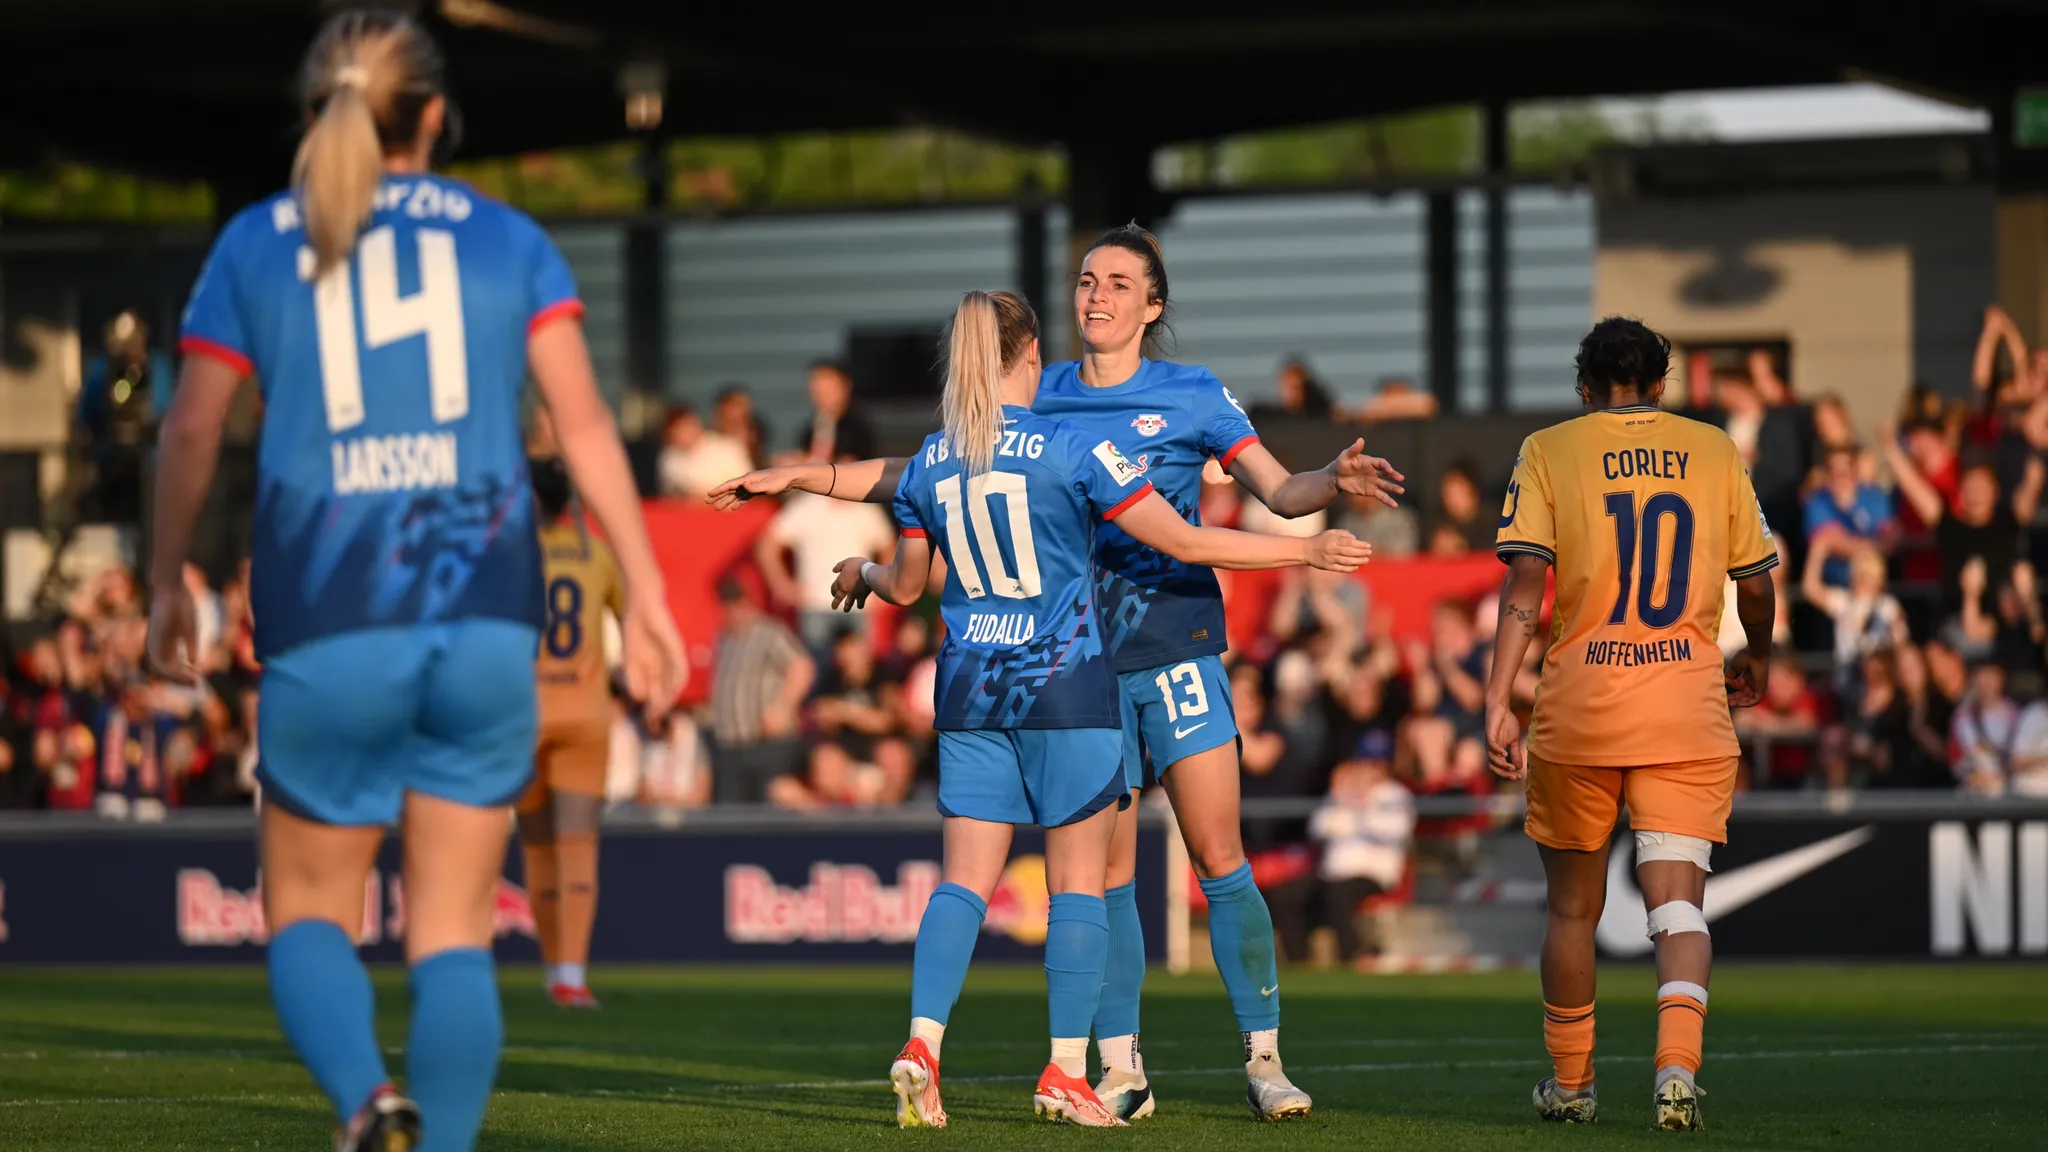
x: 1403, y: 592
x: 696, y: 547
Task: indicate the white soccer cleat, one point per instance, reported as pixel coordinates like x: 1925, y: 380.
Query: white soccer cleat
x: 915, y: 1077
x: 1125, y: 1093
x: 1564, y: 1107
x: 1271, y: 1096
x: 1676, y: 1105
x: 1068, y: 1099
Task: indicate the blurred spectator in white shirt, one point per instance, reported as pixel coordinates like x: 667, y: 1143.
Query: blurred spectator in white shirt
x: 2028, y: 765
x: 1981, y: 742
x: 1365, y: 827
x: 818, y: 532
x: 695, y: 459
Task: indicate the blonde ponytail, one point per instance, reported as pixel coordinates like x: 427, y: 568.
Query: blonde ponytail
x: 337, y: 171
x: 367, y: 81
x: 972, y: 404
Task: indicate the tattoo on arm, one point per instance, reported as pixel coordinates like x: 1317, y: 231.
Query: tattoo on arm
x: 1527, y: 616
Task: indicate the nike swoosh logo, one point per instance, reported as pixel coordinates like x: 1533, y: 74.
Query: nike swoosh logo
x: 1265, y: 991
x: 1178, y: 734
x: 1621, y: 924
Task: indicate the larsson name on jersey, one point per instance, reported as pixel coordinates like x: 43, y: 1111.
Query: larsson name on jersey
x: 394, y: 463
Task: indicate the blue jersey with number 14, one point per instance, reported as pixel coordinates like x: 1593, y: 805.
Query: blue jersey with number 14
x: 1023, y: 642
x: 1168, y: 420
x: 391, y: 474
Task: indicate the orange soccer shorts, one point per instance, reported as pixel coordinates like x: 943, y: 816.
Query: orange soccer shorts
x: 1575, y: 807
x: 569, y: 758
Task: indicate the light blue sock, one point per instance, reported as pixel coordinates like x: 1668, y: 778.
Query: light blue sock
x: 1241, y: 939
x: 945, y: 947
x: 1076, y: 952
x: 451, y: 1058
x: 1124, y: 977
x: 328, y: 1011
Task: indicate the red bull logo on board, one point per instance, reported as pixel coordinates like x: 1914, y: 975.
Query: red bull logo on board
x: 214, y: 915
x: 842, y: 904
x: 1020, y: 906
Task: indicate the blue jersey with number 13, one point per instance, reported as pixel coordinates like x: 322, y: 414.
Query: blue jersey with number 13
x: 391, y: 475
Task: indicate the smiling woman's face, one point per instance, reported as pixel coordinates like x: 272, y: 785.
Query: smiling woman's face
x: 1113, y: 299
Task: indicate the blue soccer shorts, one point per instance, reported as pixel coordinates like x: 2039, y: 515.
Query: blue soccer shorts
x: 352, y: 722
x: 1173, y: 712
x: 1043, y: 776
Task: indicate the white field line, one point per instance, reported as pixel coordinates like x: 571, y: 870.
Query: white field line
x: 1234, y: 1070
x: 1451, y: 1065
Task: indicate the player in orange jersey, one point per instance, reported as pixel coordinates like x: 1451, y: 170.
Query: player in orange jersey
x: 1640, y: 513
x: 558, y: 816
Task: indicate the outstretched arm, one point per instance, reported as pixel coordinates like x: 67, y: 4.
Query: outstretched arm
x: 860, y: 482
x: 1300, y: 493
x: 1153, y: 522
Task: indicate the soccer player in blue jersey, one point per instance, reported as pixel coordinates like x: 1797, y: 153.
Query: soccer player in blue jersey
x: 1164, y: 621
x: 1025, y: 702
x: 391, y: 317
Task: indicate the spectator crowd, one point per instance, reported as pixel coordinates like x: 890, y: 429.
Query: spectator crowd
x: 1910, y: 641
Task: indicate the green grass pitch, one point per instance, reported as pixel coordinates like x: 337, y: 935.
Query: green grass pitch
x: 1798, y: 1057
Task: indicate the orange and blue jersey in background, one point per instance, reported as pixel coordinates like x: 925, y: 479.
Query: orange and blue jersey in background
x: 1643, y: 516
x: 582, y: 584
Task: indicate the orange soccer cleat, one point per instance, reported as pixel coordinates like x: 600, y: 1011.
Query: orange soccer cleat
x: 571, y: 996
x: 915, y: 1076
x: 1069, y: 1099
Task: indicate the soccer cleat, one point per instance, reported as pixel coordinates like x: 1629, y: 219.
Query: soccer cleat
x: 1267, y: 1090
x: 1063, y: 1098
x: 571, y: 996
x: 1676, y: 1105
x: 1124, y: 1093
x: 1565, y: 1107
x: 388, y: 1122
x: 915, y: 1076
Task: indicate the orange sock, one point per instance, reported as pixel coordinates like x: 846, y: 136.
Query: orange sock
x: 544, y: 896
x: 576, y: 864
x: 1681, y: 1025
x: 1568, y: 1034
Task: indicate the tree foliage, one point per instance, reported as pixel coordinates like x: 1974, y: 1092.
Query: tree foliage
x: 913, y: 166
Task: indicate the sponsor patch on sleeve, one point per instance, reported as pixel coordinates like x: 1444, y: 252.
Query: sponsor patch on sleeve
x: 1120, y: 469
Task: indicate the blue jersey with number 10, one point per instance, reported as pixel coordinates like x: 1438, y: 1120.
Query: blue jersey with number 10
x: 391, y: 475
x: 1024, y: 644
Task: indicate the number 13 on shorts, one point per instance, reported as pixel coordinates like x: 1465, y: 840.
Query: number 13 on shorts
x: 1194, y: 699
x: 1175, y: 710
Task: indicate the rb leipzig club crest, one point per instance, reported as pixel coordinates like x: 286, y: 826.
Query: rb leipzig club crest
x: 1149, y: 424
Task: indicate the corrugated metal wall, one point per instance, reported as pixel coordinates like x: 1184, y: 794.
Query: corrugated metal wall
x: 596, y: 253
x: 1339, y: 278
x: 1550, y: 295
x: 752, y: 301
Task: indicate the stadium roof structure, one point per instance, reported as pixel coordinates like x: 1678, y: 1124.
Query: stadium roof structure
x: 202, y: 88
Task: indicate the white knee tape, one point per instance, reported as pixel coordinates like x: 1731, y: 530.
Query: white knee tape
x: 1671, y: 846
x: 1675, y: 917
